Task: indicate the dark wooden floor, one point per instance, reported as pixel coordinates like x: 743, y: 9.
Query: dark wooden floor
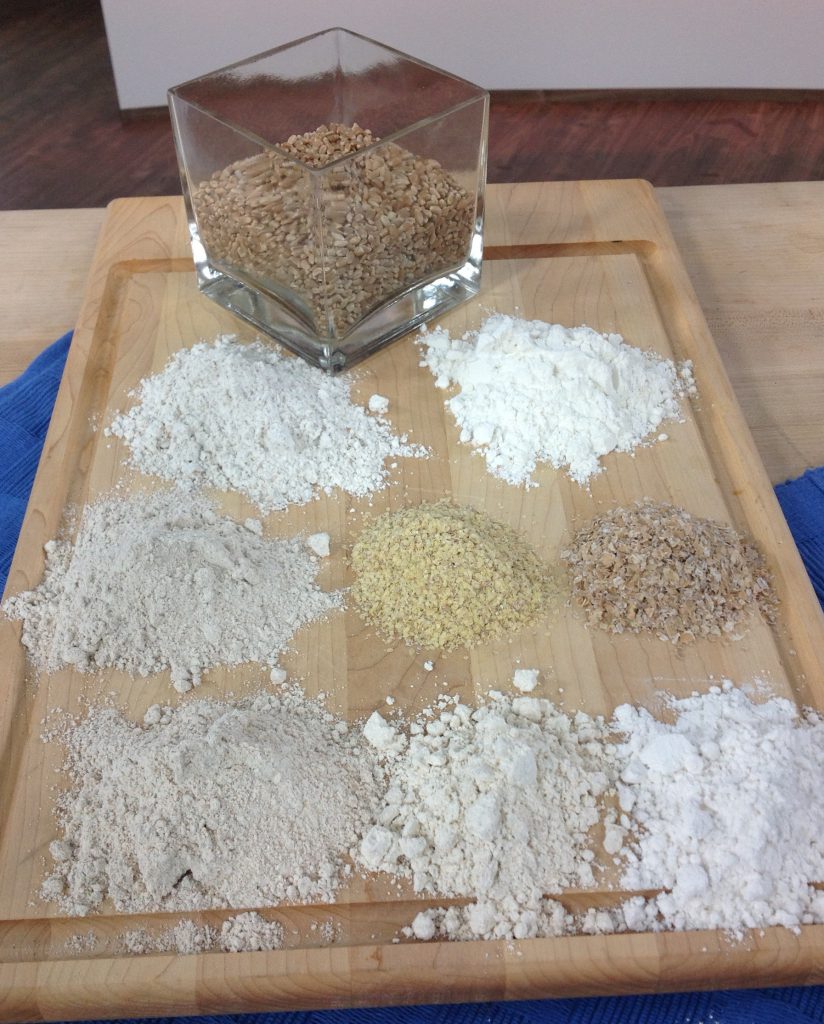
x: 64, y: 143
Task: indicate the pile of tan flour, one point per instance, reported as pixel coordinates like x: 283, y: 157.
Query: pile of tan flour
x: 212, y: 804
x: 245, y: 418
x: 157, y: 581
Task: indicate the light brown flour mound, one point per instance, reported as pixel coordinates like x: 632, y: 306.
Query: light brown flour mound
x: 212, y: 804
x: 157, y: 581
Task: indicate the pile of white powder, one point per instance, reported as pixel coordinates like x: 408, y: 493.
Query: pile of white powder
x: 728, y: 803
x: 162, y: 581
x: 212, y: 804
x: 247, y: 932
x: 532, y: 391
x: 245, y: 418
x: 495, y: 804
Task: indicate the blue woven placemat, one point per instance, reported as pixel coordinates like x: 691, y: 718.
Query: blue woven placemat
x: 25, y: 410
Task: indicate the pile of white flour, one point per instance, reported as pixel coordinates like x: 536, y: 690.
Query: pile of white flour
x: 162, y: 581
x: 728, y: 803
x: 245, y: 418
x: 253, y: 803
x: 532, y: 391
x: 495, y: 804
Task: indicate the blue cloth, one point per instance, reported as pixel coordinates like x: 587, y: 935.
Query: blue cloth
x: 25, y: 409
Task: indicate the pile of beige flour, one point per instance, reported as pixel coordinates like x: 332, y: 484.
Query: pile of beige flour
x: 251, y: 803
x: 245, y: 418
x: 155, y: 581
x: 494, y: 803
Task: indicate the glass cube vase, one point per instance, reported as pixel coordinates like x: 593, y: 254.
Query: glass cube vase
x: 335, y: 191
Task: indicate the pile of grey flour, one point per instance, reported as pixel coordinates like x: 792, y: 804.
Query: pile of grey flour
x: 242, y: 417
x: 495, y: 804
x: 212, y: 804
x: 726, y: 809
x: 156, y: 581
x: 530, y: 391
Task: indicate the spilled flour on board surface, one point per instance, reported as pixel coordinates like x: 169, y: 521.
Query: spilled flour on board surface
x: 245, y: 418
x: 534, y: 392
x: 157, y: 581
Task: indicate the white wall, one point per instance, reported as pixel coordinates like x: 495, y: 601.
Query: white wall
x: 499, y: 44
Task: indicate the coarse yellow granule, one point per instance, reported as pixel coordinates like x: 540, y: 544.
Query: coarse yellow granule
x: 443, y: 575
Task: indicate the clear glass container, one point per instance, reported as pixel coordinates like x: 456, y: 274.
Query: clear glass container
x: 335, y: 191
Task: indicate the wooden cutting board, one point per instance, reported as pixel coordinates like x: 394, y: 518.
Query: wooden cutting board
x: 598, y: 253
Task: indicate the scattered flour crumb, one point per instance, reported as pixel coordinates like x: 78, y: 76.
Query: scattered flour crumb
x: 428, y: 666
x: 525, y: 679
x: 250, y: 932
x: 278, y: 675
x: 319, y: 543
x: 378, y: 404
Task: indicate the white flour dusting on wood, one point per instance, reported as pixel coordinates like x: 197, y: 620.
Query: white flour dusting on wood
x: 245, y: 418
x: 162, y: 581
x: 253, y: 803
x: 534, y: 392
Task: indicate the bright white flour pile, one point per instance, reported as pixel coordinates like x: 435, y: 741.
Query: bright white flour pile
x: 495, y: 804
x: 162, y: 581
x: 247, y: 804
x: 244, y: 418
x: 728, y: 800
x: 532, y: 391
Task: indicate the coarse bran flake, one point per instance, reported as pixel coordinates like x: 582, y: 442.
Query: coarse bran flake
x: 653, y: 567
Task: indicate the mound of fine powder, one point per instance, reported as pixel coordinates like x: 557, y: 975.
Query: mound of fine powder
x: 727, y: 804
x: 495, y: 804
x: 212, y: 804
x: 530, y: 391
x: 162, y: 581
x: 245, y: 418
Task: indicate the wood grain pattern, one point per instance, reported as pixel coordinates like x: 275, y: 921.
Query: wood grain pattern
x: 592, y: 252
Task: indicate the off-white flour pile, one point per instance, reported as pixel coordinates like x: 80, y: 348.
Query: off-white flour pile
x: 495, y: 804
x: 728, y: 800
x: 532, y: 391
x: 212, y: 804
x: 245, y: 418
x: 162, y: 581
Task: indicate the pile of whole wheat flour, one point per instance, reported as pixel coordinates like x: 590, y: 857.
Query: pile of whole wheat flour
x: 210, y: 805
x: 495, y: 804
x: 532, y: 391
x: 727, y: 807
x: 156, y: 581
x: 243, y: 417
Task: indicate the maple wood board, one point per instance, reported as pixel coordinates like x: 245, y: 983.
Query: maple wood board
x: 598, y: 253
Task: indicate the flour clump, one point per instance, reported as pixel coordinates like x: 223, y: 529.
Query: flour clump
x: 156, y: 581
x: 243, y: 417
x: 534, y: 392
